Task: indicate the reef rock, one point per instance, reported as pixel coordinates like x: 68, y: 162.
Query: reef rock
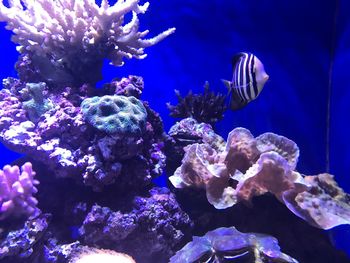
x: 149, y: 232
x: 68, y: 140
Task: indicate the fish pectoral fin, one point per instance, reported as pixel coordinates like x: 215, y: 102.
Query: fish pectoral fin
x: 236, y: 102
x: 227, y: 83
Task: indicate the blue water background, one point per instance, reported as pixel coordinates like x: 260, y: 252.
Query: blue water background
x: 294, y: 39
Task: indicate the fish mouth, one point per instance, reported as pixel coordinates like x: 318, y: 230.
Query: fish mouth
x: 266, y: 77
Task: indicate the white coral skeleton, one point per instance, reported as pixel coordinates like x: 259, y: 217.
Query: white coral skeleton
x: 54, y: 27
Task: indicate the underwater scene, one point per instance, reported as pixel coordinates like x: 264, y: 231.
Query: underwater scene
x: 174, y: 131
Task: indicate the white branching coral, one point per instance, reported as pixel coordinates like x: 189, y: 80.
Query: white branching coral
x: 61, y: 30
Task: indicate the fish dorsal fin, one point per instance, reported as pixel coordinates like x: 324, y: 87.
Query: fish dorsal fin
x: 236, y: 58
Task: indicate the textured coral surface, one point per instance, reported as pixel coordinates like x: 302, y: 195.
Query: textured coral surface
x: 250, y: 166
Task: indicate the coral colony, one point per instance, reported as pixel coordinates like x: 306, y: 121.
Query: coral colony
x: 96, y: 151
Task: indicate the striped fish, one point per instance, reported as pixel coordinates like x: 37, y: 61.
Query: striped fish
x: 249, y: 78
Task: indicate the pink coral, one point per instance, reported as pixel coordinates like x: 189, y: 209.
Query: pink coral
x: 16, y: 191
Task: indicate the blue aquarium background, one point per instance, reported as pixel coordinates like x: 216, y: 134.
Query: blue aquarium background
x: 304, y: 45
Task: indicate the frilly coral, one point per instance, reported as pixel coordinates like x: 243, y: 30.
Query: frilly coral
x: 70, y: 36
x: 250, y: 166
x: 230, y: 245
x: 186, y: 132
x: 16, y: 191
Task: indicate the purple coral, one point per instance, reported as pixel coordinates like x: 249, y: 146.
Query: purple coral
x: 16, y: 191
x: 150, y: 231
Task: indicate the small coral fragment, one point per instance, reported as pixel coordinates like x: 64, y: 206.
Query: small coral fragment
x: 35, y: 103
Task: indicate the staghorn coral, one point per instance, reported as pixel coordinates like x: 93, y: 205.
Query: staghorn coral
x: 16, y: 191
x: 207, y: 107
x: 118, y: 115
x: 250, y: 166
x: 230, y: 245
x: 61, y: 40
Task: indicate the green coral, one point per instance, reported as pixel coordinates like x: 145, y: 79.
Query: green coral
x: 118, y: 115
x: 35, y: 102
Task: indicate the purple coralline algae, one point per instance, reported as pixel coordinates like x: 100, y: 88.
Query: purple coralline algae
x: 207, y: 107
x: 17, y: 188
x: 230, y: 245
x: 151, y: 230
x: 130, y: 86
x: 19, y: 244
x: 249, y: 167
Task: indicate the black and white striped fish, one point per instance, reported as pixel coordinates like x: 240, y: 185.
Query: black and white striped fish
x: 249, y: 78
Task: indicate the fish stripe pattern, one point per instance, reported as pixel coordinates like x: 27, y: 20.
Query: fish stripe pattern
x: 244, y: 78
x: 248, y: 79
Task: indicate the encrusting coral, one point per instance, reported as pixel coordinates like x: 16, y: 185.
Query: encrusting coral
x: 250, y: 166
x: 16, y: 191
x: 230, y: 245
x: 65, y: 40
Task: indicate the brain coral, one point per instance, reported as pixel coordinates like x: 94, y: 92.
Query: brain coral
x: 118, y: 115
